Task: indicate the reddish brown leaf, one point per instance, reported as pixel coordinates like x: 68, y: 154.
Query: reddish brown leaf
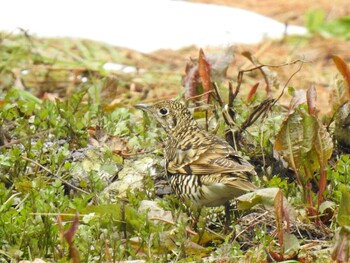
x: 69, y: 234
x: 252, y: 92
x: 344, y: 70
x: 311, y: 97
x: 191, y: 79
x: 204, y: 73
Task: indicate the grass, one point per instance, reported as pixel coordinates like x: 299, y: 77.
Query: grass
x: 68, y: 132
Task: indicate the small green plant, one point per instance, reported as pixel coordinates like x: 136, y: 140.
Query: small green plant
x: 316, y: 23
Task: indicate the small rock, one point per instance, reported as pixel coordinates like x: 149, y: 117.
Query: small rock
x: 133, y: 174
x: 154, y: 210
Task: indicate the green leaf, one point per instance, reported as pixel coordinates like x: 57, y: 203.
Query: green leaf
x: 264, y: 196
x: 290, y: 139
x: 105, y: 212
x: 315, y: 19
x: 290, y: 244
x: 343, y: 217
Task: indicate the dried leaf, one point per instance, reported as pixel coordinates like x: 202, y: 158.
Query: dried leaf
x: 204, y: 73
x: 344, y: 70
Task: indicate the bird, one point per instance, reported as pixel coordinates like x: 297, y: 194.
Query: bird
x: 203, y: 169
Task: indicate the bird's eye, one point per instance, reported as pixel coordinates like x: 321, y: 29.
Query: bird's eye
x: 163, y: 111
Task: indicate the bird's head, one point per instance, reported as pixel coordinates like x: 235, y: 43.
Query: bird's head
x: 170, y: 114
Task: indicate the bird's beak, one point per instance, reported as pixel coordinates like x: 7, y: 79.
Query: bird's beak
x: 143, y: 107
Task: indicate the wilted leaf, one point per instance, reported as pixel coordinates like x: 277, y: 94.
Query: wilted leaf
x: 204, y: 73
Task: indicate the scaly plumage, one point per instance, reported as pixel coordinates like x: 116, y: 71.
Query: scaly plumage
x: 202, y: 167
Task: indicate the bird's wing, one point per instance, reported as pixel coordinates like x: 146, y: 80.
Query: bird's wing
x: 211, y: 155
x: 179, y: 159
x: 221, y: 158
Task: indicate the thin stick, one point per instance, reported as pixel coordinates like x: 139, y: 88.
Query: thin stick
x: 26, y: 138
x: 47, y: 170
